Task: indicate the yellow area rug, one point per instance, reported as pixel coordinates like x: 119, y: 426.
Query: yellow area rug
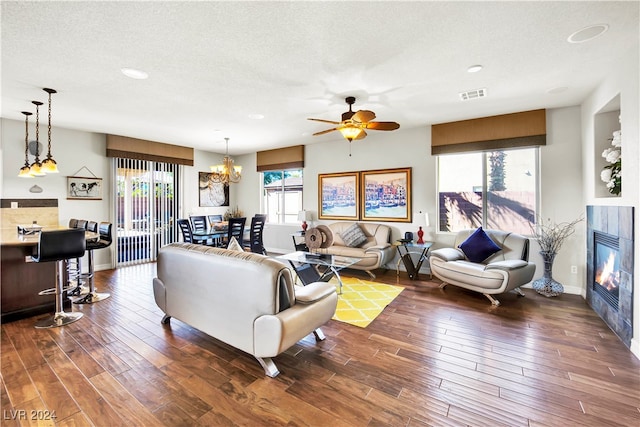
x: 362, y: 301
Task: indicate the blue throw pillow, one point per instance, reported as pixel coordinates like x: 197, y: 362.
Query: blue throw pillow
x: 478, y: 246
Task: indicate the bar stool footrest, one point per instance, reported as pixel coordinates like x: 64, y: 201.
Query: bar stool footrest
x: 59, y: 319
x: 91, y: 297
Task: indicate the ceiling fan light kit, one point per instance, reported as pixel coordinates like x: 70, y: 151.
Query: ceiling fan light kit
x: 353, y: 124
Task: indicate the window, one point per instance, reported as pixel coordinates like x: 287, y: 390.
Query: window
x: 282, y: 195
x: 493, y: 189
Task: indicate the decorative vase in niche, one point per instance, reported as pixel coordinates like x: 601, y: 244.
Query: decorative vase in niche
x: 546, y: 285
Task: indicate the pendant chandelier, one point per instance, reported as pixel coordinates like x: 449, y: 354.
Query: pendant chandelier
x: 25, y: 171
x: 226, y: 172
x: 49, y: 165
x: 38, y: 168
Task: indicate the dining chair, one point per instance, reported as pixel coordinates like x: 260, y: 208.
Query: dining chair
x: 214, y: 219
x: 255, y: 244
x: 236, y: 229
x: 187, y: 232
x: 199, y: 223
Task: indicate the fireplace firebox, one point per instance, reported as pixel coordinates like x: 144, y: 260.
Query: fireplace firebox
x: 607, y: 268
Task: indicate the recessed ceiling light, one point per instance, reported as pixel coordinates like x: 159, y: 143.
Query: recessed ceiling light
x: 588, y: 33
x: 256, y: 116
x: 474, y: 68
x: 555, y: 90
x: 134, y: 74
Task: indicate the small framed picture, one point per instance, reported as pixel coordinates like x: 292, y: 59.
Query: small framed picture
x: 84, y: 188
x: 338, y: 194
x: 386, y: 195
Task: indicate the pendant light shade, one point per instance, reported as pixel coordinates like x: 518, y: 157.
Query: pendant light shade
x: 25, y: 171
x: 49, y: 165
x: 36, y: 166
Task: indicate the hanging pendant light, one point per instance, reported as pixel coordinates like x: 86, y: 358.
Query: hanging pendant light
x: 226, y: 172
x: 25, y: 171
x: 49, y: 165
x: 36, y: 166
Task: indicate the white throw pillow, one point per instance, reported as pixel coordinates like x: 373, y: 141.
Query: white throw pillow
x: 234, y: 245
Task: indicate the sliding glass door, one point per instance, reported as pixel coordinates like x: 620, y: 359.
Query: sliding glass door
x: 146, y: 204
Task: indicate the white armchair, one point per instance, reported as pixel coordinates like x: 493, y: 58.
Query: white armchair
x: 506, y: 270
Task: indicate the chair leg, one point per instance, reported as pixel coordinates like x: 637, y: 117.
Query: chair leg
x: 92, y: 296
x: 494, y: 301
x: 60, y: 317
x: 373, y: 276
x: 269, y: 367
x: 319, y: 334
x: 519, y: 292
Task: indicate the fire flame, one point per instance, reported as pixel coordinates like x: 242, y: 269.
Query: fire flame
x: 606, y: 276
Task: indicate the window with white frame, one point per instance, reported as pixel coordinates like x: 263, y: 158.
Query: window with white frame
x: 282, y: 195
x: 493, y: 189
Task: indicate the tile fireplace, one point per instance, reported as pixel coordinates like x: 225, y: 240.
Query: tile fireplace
x: 610, y: 267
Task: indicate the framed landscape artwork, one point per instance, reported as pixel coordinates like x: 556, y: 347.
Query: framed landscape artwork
x: 386, y: 195
x: 211, y: 193
x: 84, y: 188
x: 338, y: 194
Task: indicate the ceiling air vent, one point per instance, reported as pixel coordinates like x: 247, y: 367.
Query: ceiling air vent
x: 473, y: 94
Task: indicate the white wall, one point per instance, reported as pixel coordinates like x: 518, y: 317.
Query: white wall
x: 622, y: 81
x: 72, y: 150
x: 561, y: 185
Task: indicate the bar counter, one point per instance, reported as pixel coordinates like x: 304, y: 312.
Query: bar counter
x: 20, y: 281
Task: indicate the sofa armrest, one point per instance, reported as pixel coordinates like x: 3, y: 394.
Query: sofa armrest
x: 507, y: 265
x: 377, y: 247
x: 447, y: 254
x: 313, y: 292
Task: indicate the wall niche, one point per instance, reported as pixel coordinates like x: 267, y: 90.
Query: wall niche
x: 606, y: 121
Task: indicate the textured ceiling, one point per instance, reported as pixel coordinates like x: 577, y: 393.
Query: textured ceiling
x: 213, y: 64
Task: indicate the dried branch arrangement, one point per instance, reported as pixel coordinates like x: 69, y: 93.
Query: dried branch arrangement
x: 551, y: 236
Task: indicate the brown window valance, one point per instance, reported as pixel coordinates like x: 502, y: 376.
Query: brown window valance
x: 525, y: 129
x: 280, y: 158
x: 140, y: 149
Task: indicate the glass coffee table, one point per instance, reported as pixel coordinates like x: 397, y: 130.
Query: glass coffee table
x: 312, y: 267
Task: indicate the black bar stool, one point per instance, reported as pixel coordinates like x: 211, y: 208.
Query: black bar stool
x: 59, y: 245
x: 104, y: 242
x: 74, y: 266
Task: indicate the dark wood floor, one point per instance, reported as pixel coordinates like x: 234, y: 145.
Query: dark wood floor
x: 433, y: 357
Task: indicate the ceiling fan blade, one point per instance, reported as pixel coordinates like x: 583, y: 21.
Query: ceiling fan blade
x: 324, y: 131
x: 382, y: 125
x: 363, y: 116
x: 325, y: 121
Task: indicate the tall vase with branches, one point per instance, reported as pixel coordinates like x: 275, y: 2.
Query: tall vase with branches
x: 551, y: 236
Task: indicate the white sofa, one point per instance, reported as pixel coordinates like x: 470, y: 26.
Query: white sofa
x: 501, y: 272
x: 246, y: 300
x: 375, y: 252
